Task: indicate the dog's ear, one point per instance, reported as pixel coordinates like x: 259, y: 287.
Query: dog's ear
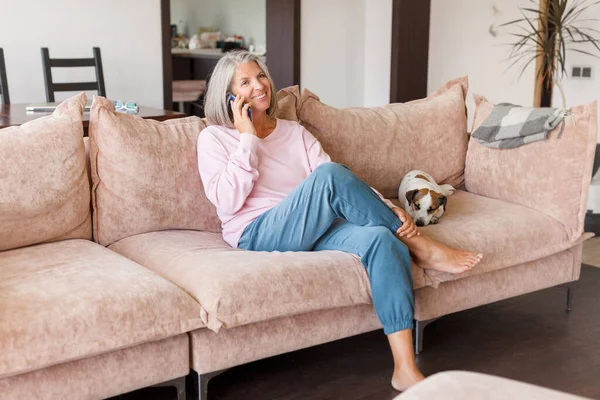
x: 444, y: 202
x: 410, y: 195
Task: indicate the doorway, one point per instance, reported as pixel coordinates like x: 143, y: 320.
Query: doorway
x: 282, y: 42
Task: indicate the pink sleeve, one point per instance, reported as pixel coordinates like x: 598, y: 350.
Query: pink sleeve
x: 227, y: 179
x: 314, y: 151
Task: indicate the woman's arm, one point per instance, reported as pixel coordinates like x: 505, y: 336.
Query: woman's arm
x: 227, y: 180
x: 314, y: 151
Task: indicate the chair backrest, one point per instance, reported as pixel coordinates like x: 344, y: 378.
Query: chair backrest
x: 3, y: 80
x: 51, y: 87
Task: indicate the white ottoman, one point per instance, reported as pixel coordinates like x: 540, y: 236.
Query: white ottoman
x: 461, y: 385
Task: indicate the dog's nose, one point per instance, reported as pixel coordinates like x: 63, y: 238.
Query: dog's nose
x: 420, y: 222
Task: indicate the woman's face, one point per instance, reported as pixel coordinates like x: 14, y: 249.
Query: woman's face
x: 252, y: 83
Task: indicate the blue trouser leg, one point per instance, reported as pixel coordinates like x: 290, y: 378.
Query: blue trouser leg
x: 387, y: 261
x: 306, y: 220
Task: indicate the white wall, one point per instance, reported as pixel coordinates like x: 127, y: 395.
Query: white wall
x: 247, y: 18
x: 127, y: 32
x: 378, y: 52
x: 581, y: 91
x: 346, y: 51
x: 460, y: 44
x: 331, y: 60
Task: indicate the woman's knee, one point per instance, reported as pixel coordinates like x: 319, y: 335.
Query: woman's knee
x: 331, y: 169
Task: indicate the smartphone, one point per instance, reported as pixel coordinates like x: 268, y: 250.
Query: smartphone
x: 230, y: 98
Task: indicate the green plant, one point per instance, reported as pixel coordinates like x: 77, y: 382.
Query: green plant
x: 548, y: 32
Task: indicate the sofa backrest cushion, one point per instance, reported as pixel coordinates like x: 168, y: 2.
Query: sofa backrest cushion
x: 145, y: 173
x: 552, y: 176
x: 381, y: 144
x: 44, y: 190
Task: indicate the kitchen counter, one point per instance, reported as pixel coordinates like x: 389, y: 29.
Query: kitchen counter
x: 198, y: 53
x: 214, y: 54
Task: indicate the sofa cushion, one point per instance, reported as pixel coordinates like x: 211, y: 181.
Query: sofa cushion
x: 237, y: 287
x: 288, y: 103
x: 551, y: 176
x: 380, y: 145
x: 145, y: 175
x: 506, y: 233
x: 71, y: 299
x: 44, y: 191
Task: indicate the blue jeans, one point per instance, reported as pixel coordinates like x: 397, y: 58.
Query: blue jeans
x: 334, y: 210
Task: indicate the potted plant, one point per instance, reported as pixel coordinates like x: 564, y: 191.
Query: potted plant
x: 545, y: 34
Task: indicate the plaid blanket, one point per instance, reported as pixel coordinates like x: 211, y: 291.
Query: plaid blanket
x: 509, y: 126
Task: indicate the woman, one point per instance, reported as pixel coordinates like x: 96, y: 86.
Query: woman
x: 275, y: 189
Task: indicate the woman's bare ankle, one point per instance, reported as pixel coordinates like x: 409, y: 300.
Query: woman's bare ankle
x: 405, y: 377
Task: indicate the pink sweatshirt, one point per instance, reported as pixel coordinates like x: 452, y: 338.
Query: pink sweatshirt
x: 245, y: 176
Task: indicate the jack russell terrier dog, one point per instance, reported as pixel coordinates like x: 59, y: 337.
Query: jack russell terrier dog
x: 422, y: 198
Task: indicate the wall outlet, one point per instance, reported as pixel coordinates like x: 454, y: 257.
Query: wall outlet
x: 581, y: 72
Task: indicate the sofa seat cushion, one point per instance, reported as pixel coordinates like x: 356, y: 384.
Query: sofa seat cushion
x: 237, y: 287
x: 506, y: 233
x: 72, y: 299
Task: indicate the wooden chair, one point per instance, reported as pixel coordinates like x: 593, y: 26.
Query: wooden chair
x: 51, y: 87
x: 3, y: 80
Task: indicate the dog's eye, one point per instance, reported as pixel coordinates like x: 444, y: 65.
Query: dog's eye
x: 418, y: 207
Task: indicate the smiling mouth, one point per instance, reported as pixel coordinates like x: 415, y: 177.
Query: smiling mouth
x: 262, y: 96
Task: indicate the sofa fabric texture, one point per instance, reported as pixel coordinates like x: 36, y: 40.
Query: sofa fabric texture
x: 551, y: 176
x: 230, y: 347
x: 381, y: 144
x: 71, y: 299
x: 477, y: 290
x: 44, y: 191
x: 492, y: 226
x: 145, y: 175
x: 278, y: 284
x: 105, y: 375
x: 273, y: 284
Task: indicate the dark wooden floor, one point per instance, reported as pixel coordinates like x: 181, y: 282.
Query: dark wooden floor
x: 530, y: 338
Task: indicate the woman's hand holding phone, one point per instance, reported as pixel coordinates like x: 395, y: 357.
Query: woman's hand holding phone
x: 241, y: 119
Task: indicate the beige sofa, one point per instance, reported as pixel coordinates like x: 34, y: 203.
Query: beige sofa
x: 158, y: 293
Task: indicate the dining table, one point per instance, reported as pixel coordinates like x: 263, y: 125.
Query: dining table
x: 16, y: 114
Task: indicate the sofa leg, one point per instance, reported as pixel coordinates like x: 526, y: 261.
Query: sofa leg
x: 569, y: 297
x: 179, y: 384
x: 418, y: 334
x: 197, y: 384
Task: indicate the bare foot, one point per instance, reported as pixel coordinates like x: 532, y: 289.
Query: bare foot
x: 438, y: 257
x: 403, y: 379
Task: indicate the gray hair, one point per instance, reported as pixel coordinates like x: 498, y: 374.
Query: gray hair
x: 215, y: 102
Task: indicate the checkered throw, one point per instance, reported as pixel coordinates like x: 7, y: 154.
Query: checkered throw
x: 509, y: 126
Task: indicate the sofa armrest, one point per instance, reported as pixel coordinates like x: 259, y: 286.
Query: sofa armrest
x: 551, y: 176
